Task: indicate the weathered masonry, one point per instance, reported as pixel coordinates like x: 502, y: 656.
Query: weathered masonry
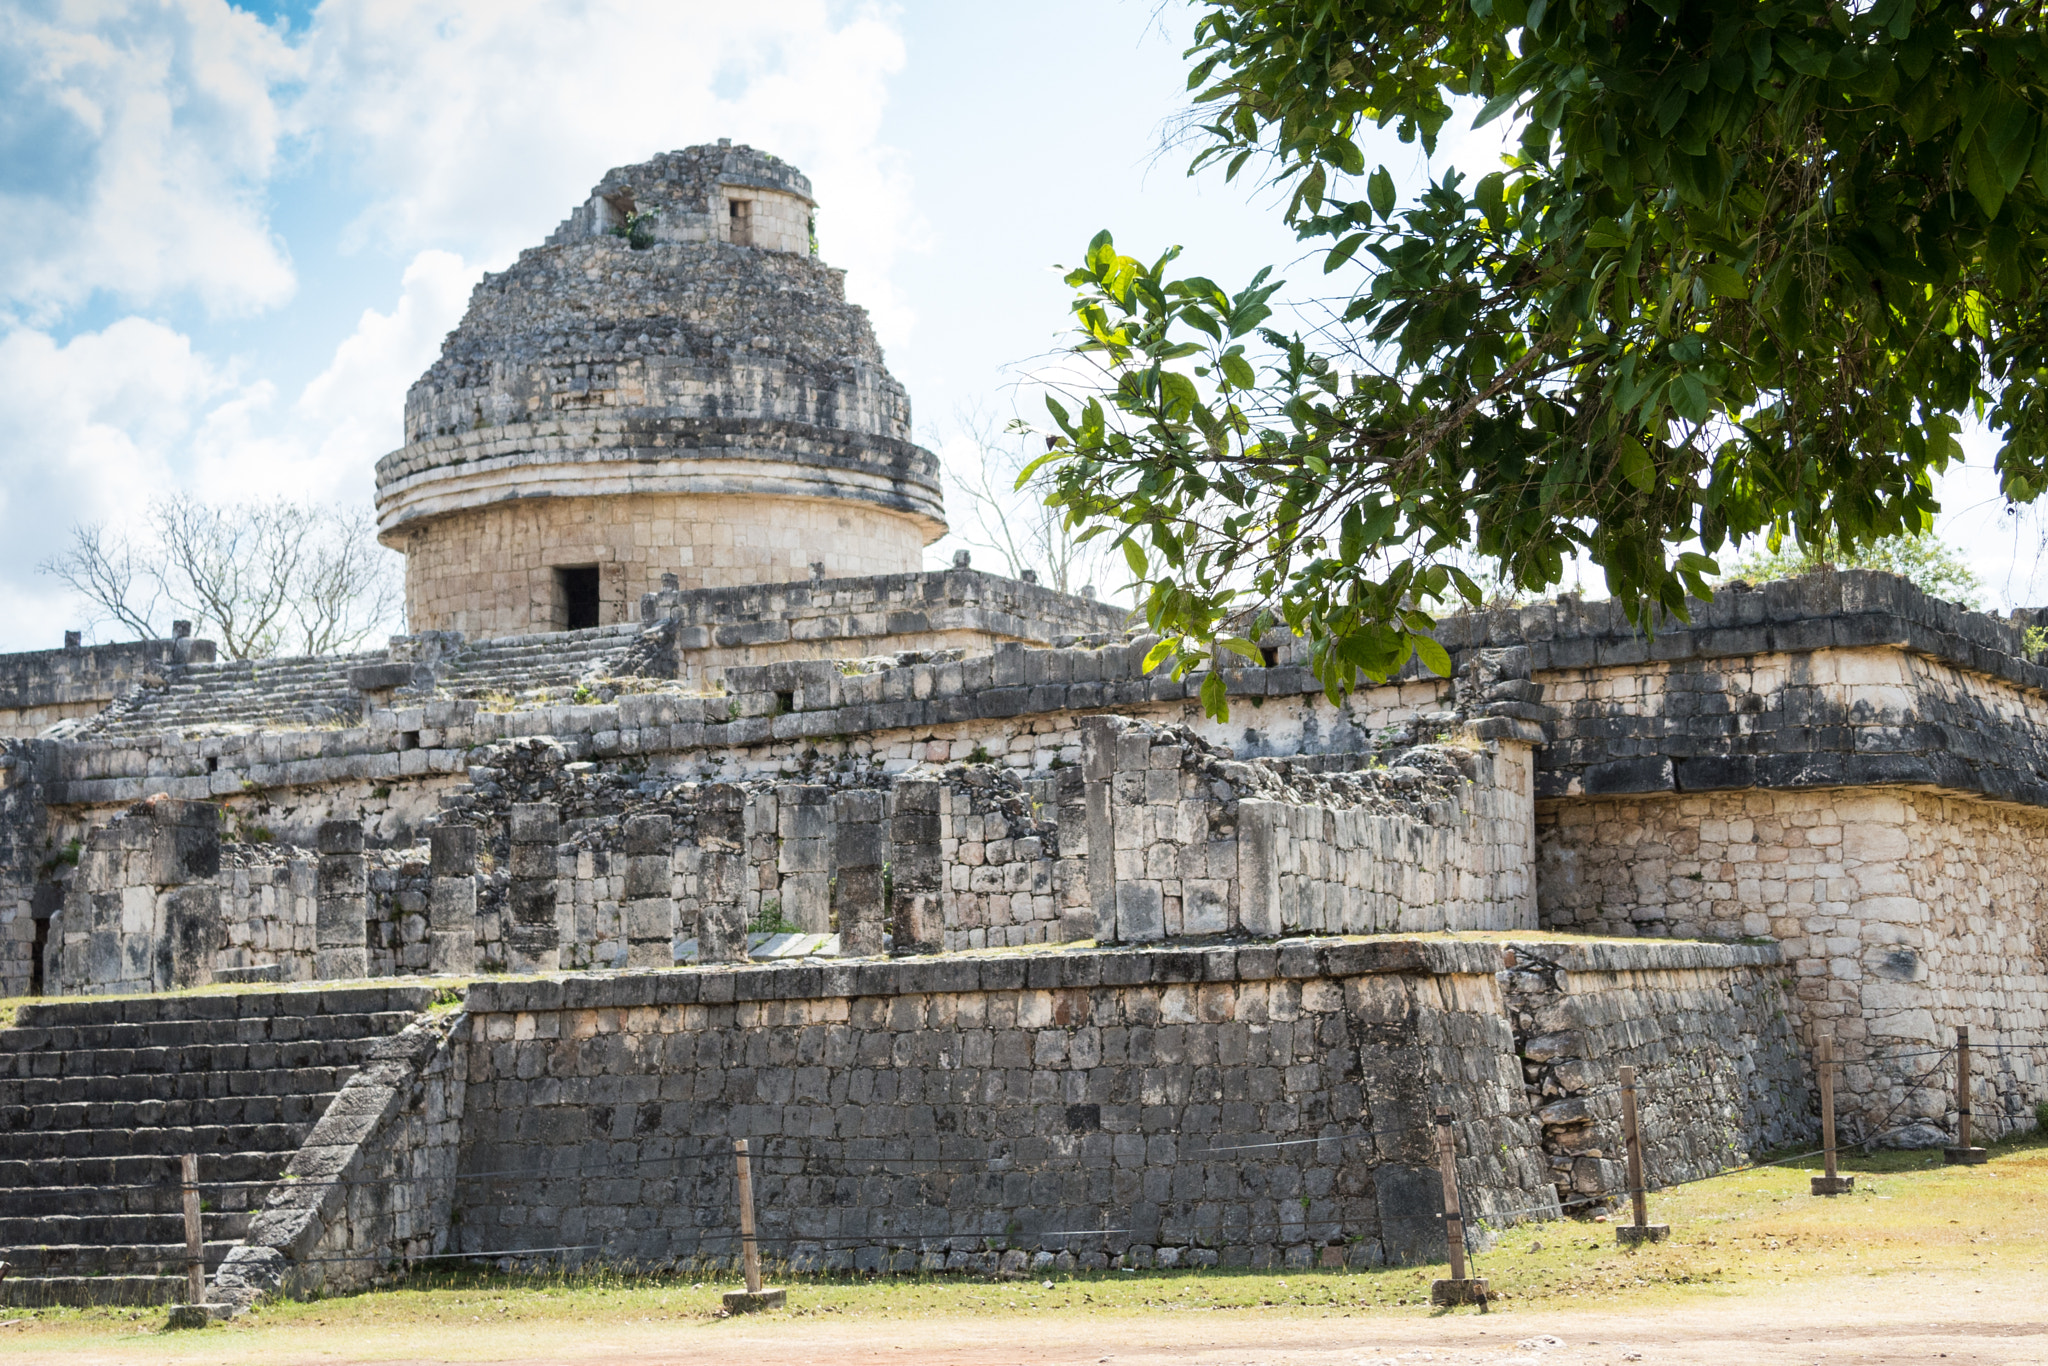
x: 672, y: 384
x: 1003, y: 952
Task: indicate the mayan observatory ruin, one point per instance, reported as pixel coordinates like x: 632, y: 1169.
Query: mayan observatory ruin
x: 693, y: 808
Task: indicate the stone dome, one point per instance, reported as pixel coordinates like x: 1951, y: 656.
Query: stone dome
x: 672, y: 383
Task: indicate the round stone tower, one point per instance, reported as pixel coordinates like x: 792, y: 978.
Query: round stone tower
x: 672, y: 384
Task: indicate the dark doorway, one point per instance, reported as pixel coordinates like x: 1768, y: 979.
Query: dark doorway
x: 576, y: 596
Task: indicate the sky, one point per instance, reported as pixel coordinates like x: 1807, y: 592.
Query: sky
x: 232, y: 235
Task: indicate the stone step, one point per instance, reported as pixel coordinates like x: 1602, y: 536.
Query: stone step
x: 267, y: 1108
x: 110, y: 1230
x: 217, y: 1191
x: 204, y: 1057
x: 303, y: 1001
x: 95, y: 1259
x: 183, y: 1033
x: 172, y: 1086
x: 47, y: 1292
x: 34, y: 1145
x: 138, y: 1171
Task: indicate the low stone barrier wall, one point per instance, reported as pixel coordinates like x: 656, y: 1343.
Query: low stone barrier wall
x: 1720, y: 1074
x: 954, y: 1113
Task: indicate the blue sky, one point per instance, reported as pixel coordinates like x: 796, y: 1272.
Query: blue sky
x: 230, y: 236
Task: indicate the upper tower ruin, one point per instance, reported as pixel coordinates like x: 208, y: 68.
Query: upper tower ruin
x: 671, y: 383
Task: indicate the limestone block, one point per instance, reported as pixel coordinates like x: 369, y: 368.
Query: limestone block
x: 453, y: 850
x: 192, y: 932
x: 859, y: 852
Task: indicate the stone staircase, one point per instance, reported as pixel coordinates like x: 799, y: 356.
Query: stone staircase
x: 297, y: 694
x: 240, y: 696
x: 99, y: 1100
x: 512, y: 665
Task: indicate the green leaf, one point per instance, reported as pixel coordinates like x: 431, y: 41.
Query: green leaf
x: 1433, y: 656
x: 1238, y: 370
x: 1635, y: 463
x: 1135, y: 558
x: 1688, y: 398
x: 1161, y: 651
x: 1342, y: 252
x: 1379, y: 191
x: 1724, y: 280
x: 1982, y: 174
x: 1495, y: 107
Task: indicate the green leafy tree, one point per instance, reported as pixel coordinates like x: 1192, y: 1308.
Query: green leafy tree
x: 1931, y: 563
x: 1747, y: 270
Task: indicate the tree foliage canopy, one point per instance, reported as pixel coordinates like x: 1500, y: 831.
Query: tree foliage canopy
x: 1748, y: 270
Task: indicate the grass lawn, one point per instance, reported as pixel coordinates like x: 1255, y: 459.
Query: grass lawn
x: 1924, y: 1230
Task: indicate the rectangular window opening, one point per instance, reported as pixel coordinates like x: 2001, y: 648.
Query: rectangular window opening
x: 576, y: 596
x: 742, y: 215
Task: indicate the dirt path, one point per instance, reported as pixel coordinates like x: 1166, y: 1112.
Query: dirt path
x: 2000, y: 1319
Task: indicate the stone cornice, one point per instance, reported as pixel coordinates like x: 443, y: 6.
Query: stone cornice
x: 636, y: 453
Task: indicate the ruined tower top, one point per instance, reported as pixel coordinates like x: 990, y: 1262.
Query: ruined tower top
x: 673, y: 383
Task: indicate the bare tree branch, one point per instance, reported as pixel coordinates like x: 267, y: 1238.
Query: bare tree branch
x: 260, y: 578
x: 1016, y: 524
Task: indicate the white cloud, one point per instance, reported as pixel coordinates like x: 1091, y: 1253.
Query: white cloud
x: 138, y: 136
x: 96, y: 427
x: 92, y: 428
x: 349, y: 415
x: 482, y: 126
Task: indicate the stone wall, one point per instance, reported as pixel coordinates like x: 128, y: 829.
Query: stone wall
x: 143, y: 911
x: 1720, y: 1073
x: 39, y: 688
x: 1846, y: 679
x: 1903, y: 913
x: 705, y: 634
x: 1434, y: 836
x: 27, y: 857
x: 1023, y: 707
x: 375, y: 1181
x: 490, y: 571
x: 958, y: 1112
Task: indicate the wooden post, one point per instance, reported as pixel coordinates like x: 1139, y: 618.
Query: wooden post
x: 750, y: 1254
x: 1963, y: 1153
x: 1833, y: 1183
x: 195, y: 1237
x: 1642, y: 1231
x: 1459, y: 1289
x: 753, y: 1297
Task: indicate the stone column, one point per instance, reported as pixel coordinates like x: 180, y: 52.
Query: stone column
x: 720, y: 915
x: 1098, y: 768
x: 1115, y: 759
x: 859, y: 851
x: 916, y: 870
x: 650, y: 901
x: 189, y: 926
x: 340, y: 945
x: 533, y: 940
x: 805, y: 857
x: 451, y: 905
